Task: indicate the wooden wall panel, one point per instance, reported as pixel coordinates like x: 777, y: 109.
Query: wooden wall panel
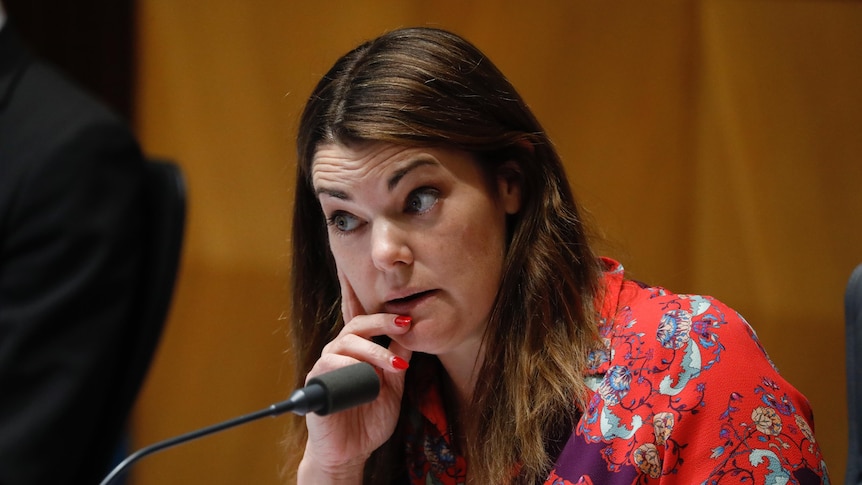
x: 716, y: 144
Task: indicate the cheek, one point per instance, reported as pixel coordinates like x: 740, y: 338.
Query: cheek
x: 346, y: 250
x: 344, y: 261
x: 475, y: 257
x: 356, y: 267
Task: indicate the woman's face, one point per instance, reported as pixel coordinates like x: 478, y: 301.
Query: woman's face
x: 418, y: 232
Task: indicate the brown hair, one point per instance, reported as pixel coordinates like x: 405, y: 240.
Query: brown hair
x: 427, y: 87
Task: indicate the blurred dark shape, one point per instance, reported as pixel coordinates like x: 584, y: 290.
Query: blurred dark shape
x: 92, y: 41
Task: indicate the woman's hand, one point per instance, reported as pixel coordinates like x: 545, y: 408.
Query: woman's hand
x: 339, y: 444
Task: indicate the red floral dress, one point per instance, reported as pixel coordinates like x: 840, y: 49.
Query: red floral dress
x: 681, y: 393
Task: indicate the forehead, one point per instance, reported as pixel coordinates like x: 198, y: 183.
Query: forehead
x: 335, y: 162
x: 336, y: 166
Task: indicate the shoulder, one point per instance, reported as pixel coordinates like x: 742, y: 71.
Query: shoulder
x: 686, y: 382
x: 667, y: 324
x: 662, y: 331
x: 55, y: 137
x: 41, y: 87
x: 688, y: 345
x: 44, y: 112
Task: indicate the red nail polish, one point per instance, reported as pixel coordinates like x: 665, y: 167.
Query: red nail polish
x: 400, y: 363
x: 403, y: 321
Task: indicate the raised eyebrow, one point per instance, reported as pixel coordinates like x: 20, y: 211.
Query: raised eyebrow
x: 400, y: 174
x: 338, y: 194
x: 391, y: 183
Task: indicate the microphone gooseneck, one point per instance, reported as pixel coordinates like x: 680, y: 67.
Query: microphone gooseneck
x: 325, y: 394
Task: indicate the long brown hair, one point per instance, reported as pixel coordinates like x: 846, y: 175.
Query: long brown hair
x: 429, y: 87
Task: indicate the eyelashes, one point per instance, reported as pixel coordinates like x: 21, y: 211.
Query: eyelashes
x: 418, y: 202
x: 343, y: 222
x: 421, y: 200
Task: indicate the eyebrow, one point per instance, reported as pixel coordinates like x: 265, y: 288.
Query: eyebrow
x: 390, y: 184
x: 332, y: 193
x: 400, y: 174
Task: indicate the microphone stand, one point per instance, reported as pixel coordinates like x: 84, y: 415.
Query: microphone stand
x: 327, y: 393
x: 273, y: 410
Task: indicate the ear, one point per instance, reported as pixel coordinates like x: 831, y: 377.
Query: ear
x: 510, y: 186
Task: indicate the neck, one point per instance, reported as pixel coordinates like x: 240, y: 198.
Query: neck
x: 463, y: 370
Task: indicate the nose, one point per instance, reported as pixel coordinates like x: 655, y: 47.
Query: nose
x: 389, y: 246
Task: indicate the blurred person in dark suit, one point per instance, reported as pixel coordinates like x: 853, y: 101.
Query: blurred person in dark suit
x: 70, y: 258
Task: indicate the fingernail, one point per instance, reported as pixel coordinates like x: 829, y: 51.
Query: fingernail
x: 403, y: 321
x: 400, y: 363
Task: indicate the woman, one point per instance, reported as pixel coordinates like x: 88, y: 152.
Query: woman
x: 435, y: 237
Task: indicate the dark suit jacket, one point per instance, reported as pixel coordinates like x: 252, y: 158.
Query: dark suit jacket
x: 70, y: 255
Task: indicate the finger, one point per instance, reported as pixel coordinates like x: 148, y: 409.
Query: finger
x: 360, y: 349
x: 378, y: 324
x: 329, y: 362
x: 350, y: 305
x: 397, y: 349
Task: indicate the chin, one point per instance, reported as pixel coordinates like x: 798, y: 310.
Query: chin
x: 416, y: 342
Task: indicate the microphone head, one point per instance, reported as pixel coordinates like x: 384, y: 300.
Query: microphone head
x: 347, y: 387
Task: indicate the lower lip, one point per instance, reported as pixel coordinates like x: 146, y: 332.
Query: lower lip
x: 410, y: 306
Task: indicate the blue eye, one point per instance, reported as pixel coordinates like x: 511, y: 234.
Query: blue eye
x: 422, y: 200
x: 343, y: 222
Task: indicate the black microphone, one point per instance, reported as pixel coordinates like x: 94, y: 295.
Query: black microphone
x: 325, y: 394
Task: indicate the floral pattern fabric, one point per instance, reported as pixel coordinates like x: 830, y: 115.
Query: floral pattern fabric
x: 681, y: 393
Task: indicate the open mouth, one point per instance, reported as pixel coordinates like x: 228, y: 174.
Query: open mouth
x: 409, y: 299
x: 408, y: 304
